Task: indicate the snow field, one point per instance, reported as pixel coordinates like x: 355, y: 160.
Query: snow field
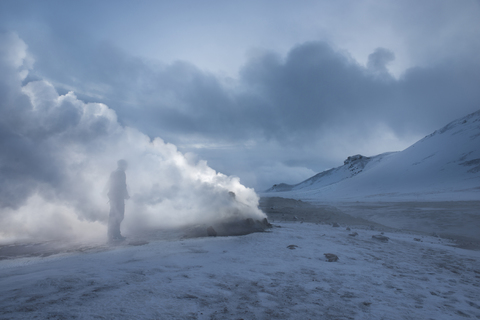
x: 251, y: 277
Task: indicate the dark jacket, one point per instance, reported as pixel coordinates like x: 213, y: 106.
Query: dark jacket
x: 118, y: 185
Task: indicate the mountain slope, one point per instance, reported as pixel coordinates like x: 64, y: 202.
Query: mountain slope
x: 352, y: 166
x: 443, y: 165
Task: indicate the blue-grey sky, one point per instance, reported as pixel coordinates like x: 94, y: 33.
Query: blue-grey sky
x: 269, y: 91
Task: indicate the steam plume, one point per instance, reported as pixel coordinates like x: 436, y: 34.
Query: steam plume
x: 56, y: 153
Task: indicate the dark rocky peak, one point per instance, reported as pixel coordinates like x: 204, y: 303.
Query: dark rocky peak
x: 355, y: 158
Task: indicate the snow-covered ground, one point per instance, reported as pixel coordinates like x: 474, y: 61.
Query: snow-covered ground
x: 250, y: 277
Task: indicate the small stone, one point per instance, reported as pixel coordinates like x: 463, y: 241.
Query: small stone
x: 331, y: 257
x: 353, y: 234
x: 335, y: 225
x: 292, y: 246
x: 138, y: 243
x: 348, y: 229
x: 417, y: 239
x: 380, y: 237
x: 365, y: 303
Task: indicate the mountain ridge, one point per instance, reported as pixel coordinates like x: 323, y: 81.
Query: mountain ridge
x: 445, y: 163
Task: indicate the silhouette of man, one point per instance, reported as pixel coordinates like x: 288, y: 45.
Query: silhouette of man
x: 117, y: 193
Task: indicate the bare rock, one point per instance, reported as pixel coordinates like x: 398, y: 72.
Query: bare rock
x: 234, y: 227
x: 380, y: 237
x: 331, y: 257
x: 266, y: 223
x: 138, y: 243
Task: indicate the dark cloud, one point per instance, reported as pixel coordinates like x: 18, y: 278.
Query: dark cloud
x: 295, y: 100
x: 290, y: 108
x: 378, y: 60
x: 313, y: 87
x: 287, y: 99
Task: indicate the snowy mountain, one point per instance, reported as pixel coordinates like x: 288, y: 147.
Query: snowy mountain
x: 351, y: 167
x: 444, y: 165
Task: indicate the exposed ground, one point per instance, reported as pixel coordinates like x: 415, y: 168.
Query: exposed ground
x: 281, y: 209
x: 455, y: 220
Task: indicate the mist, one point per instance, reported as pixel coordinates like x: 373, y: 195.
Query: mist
x: 56, y: 155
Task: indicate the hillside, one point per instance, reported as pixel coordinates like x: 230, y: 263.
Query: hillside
x: 444, y: 165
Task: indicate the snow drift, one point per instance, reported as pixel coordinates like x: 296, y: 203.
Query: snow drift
x: 57, y: 152
x: 444, y: 165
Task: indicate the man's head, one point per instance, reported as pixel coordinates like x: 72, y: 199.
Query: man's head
x: 122, y: 164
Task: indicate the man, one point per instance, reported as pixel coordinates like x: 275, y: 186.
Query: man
x: 117, y: 193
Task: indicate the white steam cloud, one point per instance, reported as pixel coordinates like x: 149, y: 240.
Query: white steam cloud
x: 56, y: 155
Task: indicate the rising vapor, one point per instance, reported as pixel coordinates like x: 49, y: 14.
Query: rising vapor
x: 56, y: 154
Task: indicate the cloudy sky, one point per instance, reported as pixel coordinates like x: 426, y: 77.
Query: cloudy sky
x: 269, y: 91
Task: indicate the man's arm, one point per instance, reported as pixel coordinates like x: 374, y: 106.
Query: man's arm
x: 126, y: 195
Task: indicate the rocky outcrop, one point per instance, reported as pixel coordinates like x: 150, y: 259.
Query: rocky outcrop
x: 331, y: 257
x: 355, y: 158
x: 230, y: 228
